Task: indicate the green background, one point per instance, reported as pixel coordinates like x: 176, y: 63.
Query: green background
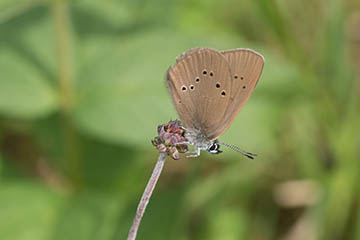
x: 82, y: 90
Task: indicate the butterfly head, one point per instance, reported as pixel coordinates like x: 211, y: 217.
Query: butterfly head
x: 214, y: 147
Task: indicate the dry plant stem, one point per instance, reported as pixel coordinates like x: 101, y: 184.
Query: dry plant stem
x: 146, y: 196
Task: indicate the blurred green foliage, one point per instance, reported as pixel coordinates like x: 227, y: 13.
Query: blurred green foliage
x: 82, y: 91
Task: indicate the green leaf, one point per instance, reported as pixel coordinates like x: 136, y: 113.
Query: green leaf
x: 24, y: 90
x: 27, y: 63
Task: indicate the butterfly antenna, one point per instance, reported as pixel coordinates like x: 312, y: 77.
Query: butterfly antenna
x: 239, y: 150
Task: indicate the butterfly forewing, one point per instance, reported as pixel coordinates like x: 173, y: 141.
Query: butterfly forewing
x: 200, y: 86
x: 246, y: 66
x: 188, y: 52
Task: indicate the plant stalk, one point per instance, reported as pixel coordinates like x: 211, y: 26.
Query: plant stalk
x: 146, y: 196
x: 62, y: 28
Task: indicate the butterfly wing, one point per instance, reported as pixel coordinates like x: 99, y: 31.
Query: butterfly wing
x: 246, y: 66
x: 200, y: 84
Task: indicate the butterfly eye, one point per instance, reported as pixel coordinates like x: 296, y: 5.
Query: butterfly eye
x: 192, y: 87
x: 197, y: 79
x: 244, y: 87
x: 223, y: 93
x: 217, y: 85
x: 211, y: 74
x: 242, y: 78
x: 183, y: 88
x: 236, y: 76
x: 212, y: 148
x: 204, y: 72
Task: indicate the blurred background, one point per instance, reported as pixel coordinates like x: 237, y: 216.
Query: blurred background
x: 82, y: 90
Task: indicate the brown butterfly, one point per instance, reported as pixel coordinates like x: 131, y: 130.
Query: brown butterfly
x: 209, y: 88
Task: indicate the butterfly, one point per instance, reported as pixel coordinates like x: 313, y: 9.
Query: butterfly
x: 208, y: 89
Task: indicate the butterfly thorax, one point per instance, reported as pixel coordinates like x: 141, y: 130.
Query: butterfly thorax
x: 196, y: 138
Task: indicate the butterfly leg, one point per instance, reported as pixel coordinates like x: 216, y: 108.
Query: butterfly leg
x: 197, y: 153
x: 185, y: 142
